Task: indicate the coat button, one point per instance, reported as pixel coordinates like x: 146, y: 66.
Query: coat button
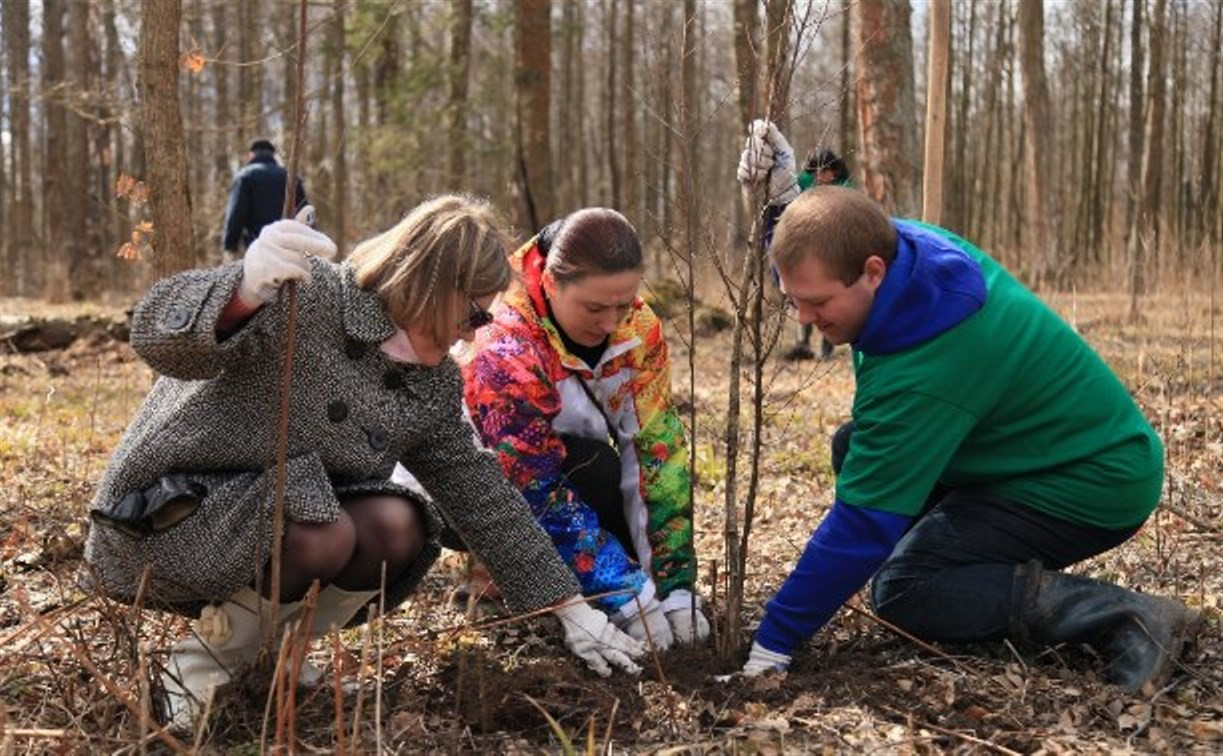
x: 337, y: 411
x: 177, y: 318
x: 354, y: 349
x: 393, y: 379
x: 377, y: 439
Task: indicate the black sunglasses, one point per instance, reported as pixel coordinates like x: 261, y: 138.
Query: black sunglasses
x: 477, y: 316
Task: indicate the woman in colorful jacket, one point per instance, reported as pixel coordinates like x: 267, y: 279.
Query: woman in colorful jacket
x: 570, y: 385
x: 187, y: 495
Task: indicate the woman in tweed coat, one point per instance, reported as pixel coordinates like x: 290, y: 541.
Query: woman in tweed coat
x: 189, y: 491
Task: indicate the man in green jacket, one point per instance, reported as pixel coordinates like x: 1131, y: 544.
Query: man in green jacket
x: 990, y: 447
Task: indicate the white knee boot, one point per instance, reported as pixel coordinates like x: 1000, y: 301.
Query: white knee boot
x: 335, y: 608
x: 225, y: 638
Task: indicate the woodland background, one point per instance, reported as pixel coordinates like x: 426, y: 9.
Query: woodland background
x: 1083, y: 148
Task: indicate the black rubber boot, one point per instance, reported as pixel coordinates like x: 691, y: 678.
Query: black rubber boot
x: 1140, y: 635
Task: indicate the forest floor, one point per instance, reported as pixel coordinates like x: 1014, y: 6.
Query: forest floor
x: 425, y: 678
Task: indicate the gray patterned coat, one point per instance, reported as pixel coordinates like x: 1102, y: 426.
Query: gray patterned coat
x: 210, y: 423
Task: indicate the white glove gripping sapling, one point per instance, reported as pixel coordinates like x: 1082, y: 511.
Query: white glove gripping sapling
x: 591, y: 636
x: 687, y: 626
x: 279, y: 255
x: 650, y: 616
x: 767, y: 154
x: 761, y: 660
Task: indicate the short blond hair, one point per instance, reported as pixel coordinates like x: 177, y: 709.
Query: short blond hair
x: 447, y: 248
x: 840, y: 227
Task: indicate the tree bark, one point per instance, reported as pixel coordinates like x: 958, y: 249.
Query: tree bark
x: 16, y: 19
x: 609, y: 103
x: 1208, y: 207
x: 937, y: 78
x: 339, y: 132
x: 779, y: 16
x: 169, y: 193
x: 460, y: 67
x: 1152, y: 162
x: 1039, y: 159
x: 628, y: 118
x: 532, y: 64
x: 747, y: 46
x: 1135, y: 143
x: 55, y: 169
x: 887, y: 124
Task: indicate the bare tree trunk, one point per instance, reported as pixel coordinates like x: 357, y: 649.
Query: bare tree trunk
x: 169, y: 193
x: 747, y: 46
x: 1148, y: 231
x: 887, y: 124
x: 1102, y: 155
x: 16, y: 19
x: 962, y: 199
x: 848, y: 124
x: 1038, y: 148
x: 533, y: 55
x: 628, y: 118
x: 339, y: 134
x: 937, y: 80
x: 250, y: 78
x: 226, y: 141
x: 1135, y: 143
x: 568, y: 142
x: 55, y: 169
x: 609, y: 103
x: 583, y: 167
x: 1208, y: 207
x: 779, y: 17
x: 460, y: 67
x: 77, y: 204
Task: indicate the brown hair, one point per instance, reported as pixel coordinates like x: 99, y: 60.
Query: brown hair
x: 838, y: 226
x: 448, y: 247
x: 596, y: 240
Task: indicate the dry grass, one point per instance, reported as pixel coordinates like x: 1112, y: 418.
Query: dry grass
x: 855, y: 687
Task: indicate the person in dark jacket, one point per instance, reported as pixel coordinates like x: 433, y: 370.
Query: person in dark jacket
x: 256, y: 197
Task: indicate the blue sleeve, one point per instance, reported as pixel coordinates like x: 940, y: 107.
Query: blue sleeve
x: 234, y: 217
x: 843, y: 553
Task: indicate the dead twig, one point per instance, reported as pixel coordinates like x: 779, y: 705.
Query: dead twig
x: 171, y: 742
x: 951, y: 733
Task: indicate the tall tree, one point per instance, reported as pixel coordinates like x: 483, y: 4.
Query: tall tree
x: 250, y: 73
x: 609, y: 103
x: 460, y: 66
x: 1039, y: 144
x: 339, y: 132
x: 1208, y: 207
x: 55, y: 168
x: 747, y: 45
x: 779, y: 17
x: 532, y: 66
x: 1152, y: 160
x: 16, y: 19
x: 1134, y: 142
x: 628, y: 117
x: 887, y: 121
x: 76, y: 202
x: 169, y: 191
x: 937, y: 80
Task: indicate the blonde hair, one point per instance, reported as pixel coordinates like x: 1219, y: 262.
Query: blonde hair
x: 448, y: 248
x: 840, y: 227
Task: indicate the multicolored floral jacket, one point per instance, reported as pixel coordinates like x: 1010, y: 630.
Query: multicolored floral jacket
x: 522, y: 389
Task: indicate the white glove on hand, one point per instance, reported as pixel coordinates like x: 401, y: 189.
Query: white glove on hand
x: 590, y: 635
x: 767, y: 154
x: 687, y: 626
x: 279, y: 255
x: 651, y: 617
x: 761, y: 660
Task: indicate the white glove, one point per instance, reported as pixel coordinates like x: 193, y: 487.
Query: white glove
x: 687, y: 626
x: 761, y: 660
x: 651, y: 616
x: 592, y: 638
x: 767, y: 154
x: 279, y: 255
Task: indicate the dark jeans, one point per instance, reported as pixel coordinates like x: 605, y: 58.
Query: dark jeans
x: 954, y: 575
x: 593, y: 469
